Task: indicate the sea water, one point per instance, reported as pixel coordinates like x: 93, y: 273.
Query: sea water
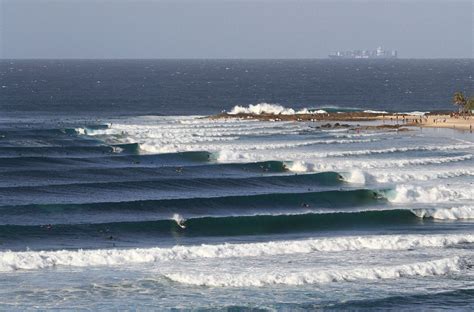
x: 117, y: 191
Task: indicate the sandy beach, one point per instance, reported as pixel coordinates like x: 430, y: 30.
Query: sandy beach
x: 465, y: 123
x: 446, y: 121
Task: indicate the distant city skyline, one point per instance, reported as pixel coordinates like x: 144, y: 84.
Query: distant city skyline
x: 233, y: 28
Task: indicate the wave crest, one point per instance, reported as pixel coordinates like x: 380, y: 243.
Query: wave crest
x: 270, y: 109
x: 256, y: 279
x: 435, y: 194
x: 454, y: 213
x: 30, y: 260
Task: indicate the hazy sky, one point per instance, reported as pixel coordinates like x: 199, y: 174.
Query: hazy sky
x: 233, y: 28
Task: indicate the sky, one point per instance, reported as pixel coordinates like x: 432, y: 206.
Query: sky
x: 233, y: 28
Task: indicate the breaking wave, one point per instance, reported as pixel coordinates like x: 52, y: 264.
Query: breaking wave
x: 271, y: 109
x: 434, y: 194
x: 354, y: 176
x: 454, y: 213
x: 419, y: 175
x: 398, y: 150
x: 226, y: 146
x: 300, y: 221
x: 236, y: 155
x: 30, y: 260
x: 315, y: 166
x: 368, y: 111
x: 310, y: 276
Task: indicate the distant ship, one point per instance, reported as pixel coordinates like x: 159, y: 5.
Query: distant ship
x: 380, y: 53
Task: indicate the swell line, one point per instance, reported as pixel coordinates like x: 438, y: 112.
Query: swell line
x: 24, y: 260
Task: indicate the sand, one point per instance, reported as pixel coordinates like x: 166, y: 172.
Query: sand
x: 465, y: 123
x: 446, y: 121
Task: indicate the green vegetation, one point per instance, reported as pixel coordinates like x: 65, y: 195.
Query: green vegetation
x: 470, y: 104
x: 464, y: 105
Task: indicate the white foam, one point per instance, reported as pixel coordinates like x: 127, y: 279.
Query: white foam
x: 341, y: 165
x: 423, y: 161
x: 360, y: 134
x: 375, y: 112
x: 174, y: 136
x: 227, y: 139
x: 300, y: 166
x: 117, y: 149
x: 308, y: 276
x: 334, y: 131
x: 405, y: 176
x: 397, y: 149
x: 237, y: 155
x: 30, y: 260
x: 327, y: 161
x: 227, y: 156
x: 454, y: 213
x: 224, y: 146
x: 415, y: 113
x: 271, y: 109
x: 318, y: 111
x: 81, y: 131
x: 354, y: 176
x: 430, y: 194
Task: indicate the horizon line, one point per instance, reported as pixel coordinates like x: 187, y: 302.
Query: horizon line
x: 233, y: 58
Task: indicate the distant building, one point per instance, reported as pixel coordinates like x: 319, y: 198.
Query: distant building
x: 379, y: 53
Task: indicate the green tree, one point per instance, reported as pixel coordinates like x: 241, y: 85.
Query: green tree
x: 469, y: 107
x: 460, y: 101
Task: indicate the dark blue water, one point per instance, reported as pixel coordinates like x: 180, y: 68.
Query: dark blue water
x: 114, y: 195
x: 196, y: 87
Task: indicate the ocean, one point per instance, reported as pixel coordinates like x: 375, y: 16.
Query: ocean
x: 117, y: 192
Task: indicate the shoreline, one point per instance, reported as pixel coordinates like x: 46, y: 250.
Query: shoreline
x: 396, y: 120
x: 463, y: 123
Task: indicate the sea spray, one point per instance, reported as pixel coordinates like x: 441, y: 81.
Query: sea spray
x: 270, y: 109
x: 354, y: 176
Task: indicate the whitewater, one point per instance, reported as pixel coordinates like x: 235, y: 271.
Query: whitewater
x: 121, y: 190
x: 202, y: 208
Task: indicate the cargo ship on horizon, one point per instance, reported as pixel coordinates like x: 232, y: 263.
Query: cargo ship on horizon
x: 379, y: 53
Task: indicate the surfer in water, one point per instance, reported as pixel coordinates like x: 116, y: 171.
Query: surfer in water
x: 377, y: 195
x: 179, y: 220
x: 181, y: 224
